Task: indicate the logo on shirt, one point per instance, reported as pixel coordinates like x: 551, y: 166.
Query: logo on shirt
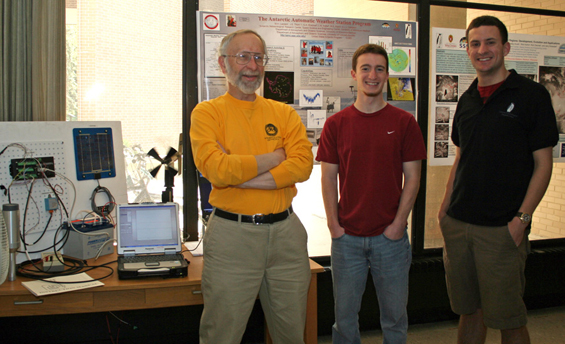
x: 271, y: 130
x: 508, y: 112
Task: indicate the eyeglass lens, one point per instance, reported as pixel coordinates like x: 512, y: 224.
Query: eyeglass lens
x: 244, y: 58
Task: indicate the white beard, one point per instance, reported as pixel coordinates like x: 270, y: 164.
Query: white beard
x: 244, y: 86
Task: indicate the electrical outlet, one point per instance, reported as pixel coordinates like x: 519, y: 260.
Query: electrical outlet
x: 51, y: 263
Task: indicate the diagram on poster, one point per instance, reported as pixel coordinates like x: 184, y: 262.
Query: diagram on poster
x: 311, y: 98
x: 383, y: 41
x: 316, y: 119
x: 401, y: 61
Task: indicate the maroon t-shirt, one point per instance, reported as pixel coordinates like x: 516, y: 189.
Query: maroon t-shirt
x: 370, y: 150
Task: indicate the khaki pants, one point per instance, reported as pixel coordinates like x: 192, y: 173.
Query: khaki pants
x: 242, y: 261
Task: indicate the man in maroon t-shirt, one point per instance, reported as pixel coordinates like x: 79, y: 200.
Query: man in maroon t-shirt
x: 375, y: 150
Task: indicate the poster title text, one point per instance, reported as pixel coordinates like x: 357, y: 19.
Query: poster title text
x: 314, y: 21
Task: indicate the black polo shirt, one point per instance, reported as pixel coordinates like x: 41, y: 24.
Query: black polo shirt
x: 497, y: 140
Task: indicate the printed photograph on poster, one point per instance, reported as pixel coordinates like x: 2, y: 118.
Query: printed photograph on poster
x: 553, y: 78
x: 441, y: 150
x: 211, y: 22
x: 439, y: 40
x: 332, y: 105
x: 316, y: 119
x: 279, y: 86
x: 447, y: 88
x: 442, y: 132
x: 442, y: 114
x: 402, y: 61
x: 316, y: 53
x: 408, y: 31
x: 311, y: 98
x: 231, y: 21
x: 400, y: 89
x: 383, y: 41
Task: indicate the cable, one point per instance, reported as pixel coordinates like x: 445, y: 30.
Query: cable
x: 123, y: 321
x: 45, y: 229
x: 69, y: 215
x: 31, y: 270
x: 109, y: 330
x: 120, y: 322
x: 23, y: 233
x: 103, y: 210
x: 199, y: 242
x: 46, y: 181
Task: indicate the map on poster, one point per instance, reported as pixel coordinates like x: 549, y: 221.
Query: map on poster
x: 309, y: 64
x: 540, y: 58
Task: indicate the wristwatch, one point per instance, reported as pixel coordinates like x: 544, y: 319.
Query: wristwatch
x: 525, y: 218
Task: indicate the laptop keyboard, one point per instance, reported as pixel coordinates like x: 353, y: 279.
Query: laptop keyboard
x: 159, y: 258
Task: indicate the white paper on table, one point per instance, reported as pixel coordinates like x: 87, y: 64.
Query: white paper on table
x: 42, y: 288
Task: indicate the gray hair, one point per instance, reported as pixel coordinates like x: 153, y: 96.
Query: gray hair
x: 227, y: 40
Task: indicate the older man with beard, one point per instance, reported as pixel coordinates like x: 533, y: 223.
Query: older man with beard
x: 253, y: 150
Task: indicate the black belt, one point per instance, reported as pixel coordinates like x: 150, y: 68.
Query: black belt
x: 257, y: 219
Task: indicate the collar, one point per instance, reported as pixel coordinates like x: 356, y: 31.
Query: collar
x: 509, y: 83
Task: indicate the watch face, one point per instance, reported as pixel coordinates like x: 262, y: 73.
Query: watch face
x: 525, y: 218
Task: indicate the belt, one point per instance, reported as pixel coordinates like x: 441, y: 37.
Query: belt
x: 258, y: 219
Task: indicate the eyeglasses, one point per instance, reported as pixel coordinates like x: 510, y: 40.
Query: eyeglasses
x: 244, y: 58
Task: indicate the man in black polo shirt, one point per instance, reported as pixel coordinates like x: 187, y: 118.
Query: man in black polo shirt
x: 504, y: 129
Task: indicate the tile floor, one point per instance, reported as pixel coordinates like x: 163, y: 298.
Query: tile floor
x: 546, y: 326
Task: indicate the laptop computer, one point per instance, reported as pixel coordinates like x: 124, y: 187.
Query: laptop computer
x: 149, y: 241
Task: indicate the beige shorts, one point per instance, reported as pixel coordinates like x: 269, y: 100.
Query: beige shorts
x: 485, y: 269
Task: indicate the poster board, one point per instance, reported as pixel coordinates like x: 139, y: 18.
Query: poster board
x: 541, y: 58
x: 309, y: 64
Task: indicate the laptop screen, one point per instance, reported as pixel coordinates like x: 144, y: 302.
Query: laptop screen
x: 148, y: 228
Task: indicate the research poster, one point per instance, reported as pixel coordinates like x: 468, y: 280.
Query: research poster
x: 309, y: 64
x: 541, y: 58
